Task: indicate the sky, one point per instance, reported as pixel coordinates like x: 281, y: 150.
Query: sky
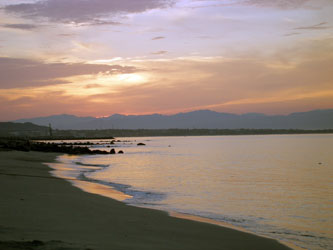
x: 100, y: 57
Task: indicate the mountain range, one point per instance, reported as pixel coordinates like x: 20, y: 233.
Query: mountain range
x: 200, y: 119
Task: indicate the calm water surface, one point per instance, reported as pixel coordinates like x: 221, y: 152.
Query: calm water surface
x: 280, y: 186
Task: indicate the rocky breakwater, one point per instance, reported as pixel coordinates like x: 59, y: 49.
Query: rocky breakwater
x: 67, y: 148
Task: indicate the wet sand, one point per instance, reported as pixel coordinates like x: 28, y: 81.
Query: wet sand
x: 38, y: 211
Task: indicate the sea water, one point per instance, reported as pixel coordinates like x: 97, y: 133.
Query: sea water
x: 279, y: 186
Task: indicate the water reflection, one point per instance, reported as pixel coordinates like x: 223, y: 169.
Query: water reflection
x: 271, y: 185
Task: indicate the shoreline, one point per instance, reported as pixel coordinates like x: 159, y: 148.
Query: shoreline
x: 228, y: 225
x: 50, y: 212
x: 129, y: 133
x: 113, y: 193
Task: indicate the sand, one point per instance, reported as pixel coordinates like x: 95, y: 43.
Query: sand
x: 38, y: 211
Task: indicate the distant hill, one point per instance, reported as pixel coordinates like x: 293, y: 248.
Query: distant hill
x: 201, y: 119
x: 8, y: 129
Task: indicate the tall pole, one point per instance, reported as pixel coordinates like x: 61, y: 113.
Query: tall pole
x: 50, y: 130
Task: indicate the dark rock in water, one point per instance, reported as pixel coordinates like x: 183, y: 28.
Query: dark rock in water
x: 25, y: 145
x: 100, y: 152
x: 112, y: 142
x: 108, y: 146
x: 112, y: 151
x: 75, y: 143
x: 120, y: 152
x: 141, y: 144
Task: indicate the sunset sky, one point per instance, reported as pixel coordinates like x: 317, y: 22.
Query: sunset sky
x: 100, y: 57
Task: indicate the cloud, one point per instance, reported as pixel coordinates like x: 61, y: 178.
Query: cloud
x: 158, y: 38
x: 66, y: 34
x: 218, y: 84
x: 319, y: 26
x: 281, y: 4
x: 16, y: 72
x: 81, y: 11
x: 295, y: 78
x: 161, y: 52
x: 21, y: 26
x: 292, y: 34
x: 97, y: 22
x: 91, y: 86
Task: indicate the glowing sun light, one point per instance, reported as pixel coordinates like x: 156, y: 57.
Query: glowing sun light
x: 131, y: 78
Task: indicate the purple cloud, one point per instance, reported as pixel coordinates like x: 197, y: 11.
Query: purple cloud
x: 158, y: 38
x: 21, y: 26
x: 82, y: 11
x: 282, y: 4
x: 16, y: 72
x: 292, y: 34
x: 161, y: 52
x: 319, y: 26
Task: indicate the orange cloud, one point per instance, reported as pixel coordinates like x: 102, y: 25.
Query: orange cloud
x: 291, y: 80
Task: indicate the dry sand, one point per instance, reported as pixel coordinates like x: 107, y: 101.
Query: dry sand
x: 38, y: 211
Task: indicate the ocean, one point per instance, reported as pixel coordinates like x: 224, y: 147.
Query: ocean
x: 278, y: 186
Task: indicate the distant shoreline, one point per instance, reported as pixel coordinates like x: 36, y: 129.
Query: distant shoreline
x: 111, y: 133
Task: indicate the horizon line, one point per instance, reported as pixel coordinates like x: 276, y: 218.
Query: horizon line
x: 166, y: 114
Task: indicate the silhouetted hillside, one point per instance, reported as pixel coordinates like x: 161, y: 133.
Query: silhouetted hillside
x: 201, y: 119
x: 8, y: 129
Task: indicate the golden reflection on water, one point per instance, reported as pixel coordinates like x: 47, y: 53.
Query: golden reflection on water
x: 275, y: 180
x: 276, y: 177
x: 65, y: 169
x: 100, y: 189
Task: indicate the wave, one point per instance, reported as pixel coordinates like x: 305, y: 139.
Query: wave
x: 91, y: 165
x: 139, y: 197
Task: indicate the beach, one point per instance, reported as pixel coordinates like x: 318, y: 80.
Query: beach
x: 39, y: 211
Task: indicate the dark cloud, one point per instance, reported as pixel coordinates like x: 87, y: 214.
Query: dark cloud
x: 161, y: 52
x: 319, y: 26
x: 81, y: 11
x: 158, y: 38
x: 21, y: 26
x: 292, y: 34
x: 24, y: 73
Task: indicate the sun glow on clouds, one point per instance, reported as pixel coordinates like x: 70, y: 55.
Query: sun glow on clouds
x: 278, y: 98
x: 99, y: 84
x: 217, y: 54
x: 131, y: 78
x: 80, y: 86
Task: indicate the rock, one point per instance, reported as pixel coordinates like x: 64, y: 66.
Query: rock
x: 67, y: 148
x: 120, y: 152
x: 141, y: 144
x: 112, y: 151
x: 100, y: 152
